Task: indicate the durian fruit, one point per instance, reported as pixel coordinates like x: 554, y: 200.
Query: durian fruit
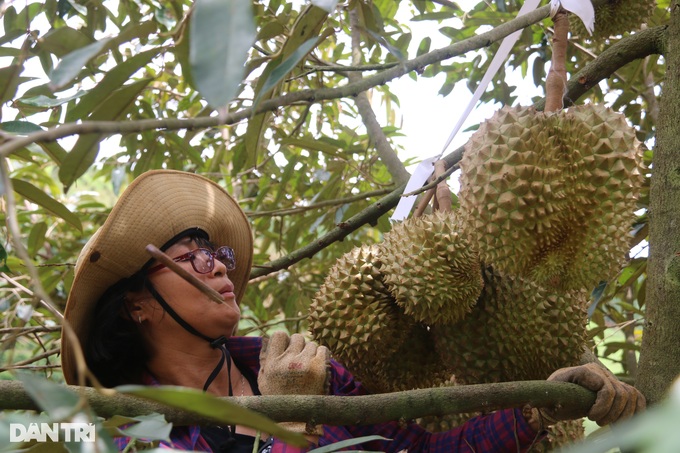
x: 615, y: 17
x: 561, y: 434
x: 431, y: 269
x: 353, y: 313
x: 518, y: 330
x: 415, y: 364
x: 551, y: 196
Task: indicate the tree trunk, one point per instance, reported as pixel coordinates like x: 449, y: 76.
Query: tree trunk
x: 660, y: 353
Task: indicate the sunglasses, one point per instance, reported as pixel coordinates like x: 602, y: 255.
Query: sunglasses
x: 203, y: 260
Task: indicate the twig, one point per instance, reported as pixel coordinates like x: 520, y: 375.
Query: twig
x: 44, y: 355
x: 29, y: 329
x: 321, y: 204
x: 186, y: 275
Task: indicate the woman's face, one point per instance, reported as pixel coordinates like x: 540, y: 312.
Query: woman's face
x: 208, y: 317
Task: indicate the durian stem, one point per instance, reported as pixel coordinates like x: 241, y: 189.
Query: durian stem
x: 556, y: 82
x: 443, y: 195
x: 424, y: 201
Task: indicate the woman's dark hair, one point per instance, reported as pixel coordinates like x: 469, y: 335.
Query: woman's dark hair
x: 115, y: 351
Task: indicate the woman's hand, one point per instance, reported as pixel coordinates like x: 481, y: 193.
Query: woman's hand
x: 615, y: 400
x: 293, y: 366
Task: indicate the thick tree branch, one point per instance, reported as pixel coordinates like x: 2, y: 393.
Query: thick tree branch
x: 348, y: 410
x: 659, y: 365
x: 640, y: 45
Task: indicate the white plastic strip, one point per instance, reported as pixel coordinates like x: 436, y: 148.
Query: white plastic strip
x: 582, y: 8
x: 426, y: 167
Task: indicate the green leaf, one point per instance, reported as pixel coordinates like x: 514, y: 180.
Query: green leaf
x: 113, y: 80
x: 84, y: 152
x: 55, y: 399
x: 48, y: 102
x: 149, y: 427
x: 71, y: 65
x: 210, y: 406
x: 39, y: 197
x: 270, y: 30
x: 347, y: 443
x: 280, y: 71
x: 653, y: 431
x: 392, y: 49
x: 3, y: 259
x: 20, y: 127
x: 63, y: 40
x: 36, y: 238
x: 54, y: 150
x: 9, y: 81
x: 218, y: 65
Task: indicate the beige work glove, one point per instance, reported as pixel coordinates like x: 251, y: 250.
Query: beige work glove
x: 615, y: 400
x: 293, y: 366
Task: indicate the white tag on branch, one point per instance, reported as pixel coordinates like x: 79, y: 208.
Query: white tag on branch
x: 582, y: 8
x: 24, y: 312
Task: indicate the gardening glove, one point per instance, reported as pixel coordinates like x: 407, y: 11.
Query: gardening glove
x: 615, y: 400
x: 293, y: 366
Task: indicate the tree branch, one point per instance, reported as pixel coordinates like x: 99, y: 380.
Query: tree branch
x: 640, y: 45
x: 387, y: 154
x: 319, y: 205
x: 350, y: 90
x: 345, y: 410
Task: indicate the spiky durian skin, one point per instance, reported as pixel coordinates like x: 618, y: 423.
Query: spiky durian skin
x: 613, y: 18
x: 415, y: 364
x: 431, y: 269
x: 552, y: 195
x: 353, y: 313
x: 518, y: 330
x: 562, y: 434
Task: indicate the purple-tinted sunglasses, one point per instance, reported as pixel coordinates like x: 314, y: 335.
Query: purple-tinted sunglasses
x: 203, y: 260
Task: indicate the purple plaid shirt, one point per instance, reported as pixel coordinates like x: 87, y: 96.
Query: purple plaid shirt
x: 501, y: 431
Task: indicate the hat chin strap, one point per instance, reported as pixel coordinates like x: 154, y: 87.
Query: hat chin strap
x: 216, y: 343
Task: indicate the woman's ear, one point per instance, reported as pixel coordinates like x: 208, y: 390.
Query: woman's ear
x: 135, y: 306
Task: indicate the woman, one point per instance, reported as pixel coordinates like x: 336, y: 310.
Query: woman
x: 140, y: 322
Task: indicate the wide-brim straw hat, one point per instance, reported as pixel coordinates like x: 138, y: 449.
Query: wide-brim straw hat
x: 156, y: 207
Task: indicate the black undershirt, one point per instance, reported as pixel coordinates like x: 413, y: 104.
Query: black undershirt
x: 226, y: 440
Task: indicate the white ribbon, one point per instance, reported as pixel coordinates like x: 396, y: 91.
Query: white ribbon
x: 582, y: 8
x: 426, y: 167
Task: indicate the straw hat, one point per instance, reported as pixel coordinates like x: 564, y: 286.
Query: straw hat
x: 155, y: 207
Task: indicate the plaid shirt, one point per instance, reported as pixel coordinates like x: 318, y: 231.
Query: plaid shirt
x: 498, y: 432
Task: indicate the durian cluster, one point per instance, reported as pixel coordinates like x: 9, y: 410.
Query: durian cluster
x: 496, y: 290
x: 548, y: 196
